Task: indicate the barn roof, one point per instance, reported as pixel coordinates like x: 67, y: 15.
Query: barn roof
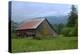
x: 31, y: 24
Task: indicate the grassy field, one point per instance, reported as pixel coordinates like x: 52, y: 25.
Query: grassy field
x: 59, y: 43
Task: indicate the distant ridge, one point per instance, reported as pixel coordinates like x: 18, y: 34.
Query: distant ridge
x: 52, y: 19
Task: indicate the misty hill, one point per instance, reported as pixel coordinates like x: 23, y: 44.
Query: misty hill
x: 57, y: 19
x: 52, y: 19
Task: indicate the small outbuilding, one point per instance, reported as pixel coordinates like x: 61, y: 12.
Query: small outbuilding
x: 35, y: 27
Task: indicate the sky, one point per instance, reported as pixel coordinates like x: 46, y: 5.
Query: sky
x: 25, y: 10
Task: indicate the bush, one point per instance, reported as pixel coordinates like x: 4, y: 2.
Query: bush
x: 66, y: 31
x: 73, y: 32
x: 61, y: 35
x: 69, y: 31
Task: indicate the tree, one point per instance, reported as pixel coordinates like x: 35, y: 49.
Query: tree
x: 73, y: 17
x: 73, y: 22
x: 59, y: 27
x: 13, y: 25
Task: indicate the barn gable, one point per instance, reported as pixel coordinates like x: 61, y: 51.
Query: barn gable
x: 45, y: 29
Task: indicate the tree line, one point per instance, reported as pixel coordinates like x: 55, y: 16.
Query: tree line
x: 71, y: 28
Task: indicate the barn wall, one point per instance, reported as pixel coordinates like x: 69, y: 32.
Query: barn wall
x: 45, y: 29
x: 26, y: 33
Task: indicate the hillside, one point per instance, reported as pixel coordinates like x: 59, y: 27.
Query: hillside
x: 57, y: 19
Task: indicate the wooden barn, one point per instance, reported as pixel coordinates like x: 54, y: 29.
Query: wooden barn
x: 35, y: 27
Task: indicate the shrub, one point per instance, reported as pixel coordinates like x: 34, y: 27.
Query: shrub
x: 69, y: 31
x: 66, y: 31
x: 61, y: 35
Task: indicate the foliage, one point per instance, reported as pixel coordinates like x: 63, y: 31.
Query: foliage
x: 13, y: 35
x: 71, y: 28
x: 59, y: 27
x: 13, y: 26
x: 69, y: 31
x: 73, y: 17
x: 66, y: 31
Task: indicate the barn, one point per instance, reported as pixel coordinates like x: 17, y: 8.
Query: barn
x: 35, y: 27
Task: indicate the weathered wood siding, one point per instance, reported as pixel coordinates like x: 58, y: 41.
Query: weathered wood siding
x: 45, y: 29
x: 26, y: 33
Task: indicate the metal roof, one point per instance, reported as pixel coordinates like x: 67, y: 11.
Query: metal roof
x: 31, y: 24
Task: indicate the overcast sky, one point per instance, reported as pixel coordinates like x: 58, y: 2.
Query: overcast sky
x: 25, y: 10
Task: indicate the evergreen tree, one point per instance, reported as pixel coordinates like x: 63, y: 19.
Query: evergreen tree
x: 73, y: 17
x: 73, y: 21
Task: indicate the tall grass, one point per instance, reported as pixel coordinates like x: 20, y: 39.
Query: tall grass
x: 61, y: 43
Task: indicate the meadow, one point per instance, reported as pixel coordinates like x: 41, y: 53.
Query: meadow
x: 59, y: 43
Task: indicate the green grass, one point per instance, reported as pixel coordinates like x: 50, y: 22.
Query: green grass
x: 59, y: 43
